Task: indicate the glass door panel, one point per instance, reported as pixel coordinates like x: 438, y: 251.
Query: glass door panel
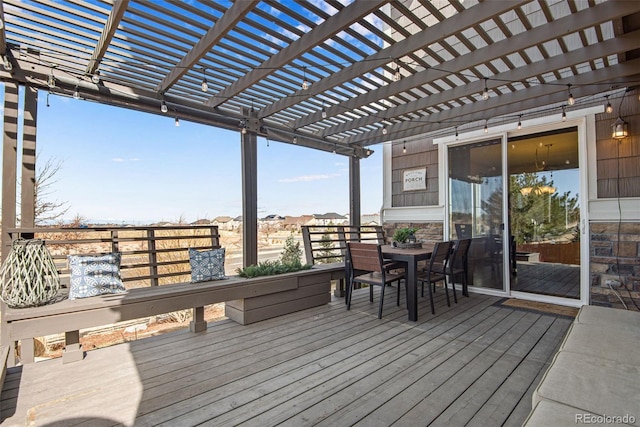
x: 476, y: 208
x: 544, y: 214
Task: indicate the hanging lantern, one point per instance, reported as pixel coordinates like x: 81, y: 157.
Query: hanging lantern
x: 619, y: 129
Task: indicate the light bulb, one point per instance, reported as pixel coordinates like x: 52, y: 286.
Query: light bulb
x: 8, y: 66
x: 609, y: 108
x: 397, y: 76
x: 205, y: 85
x: 384, y: 130
x: 295, y: 139
x: 76, y: 93
x: 486, y: 128
x: 177, y: 122
x: 564, y: 115
x: 324, y: 113
x: 244, y: 130
x: 305, y: 84
x: 95, y: 79
x: 571, y: 99
x: 163, y: 107
x: 519, y: 124
x: 485, y: 92
x: 404, y: 148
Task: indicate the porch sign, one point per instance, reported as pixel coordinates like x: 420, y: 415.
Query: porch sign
x: 414, y: 179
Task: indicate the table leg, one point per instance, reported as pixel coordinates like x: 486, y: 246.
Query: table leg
x: 412, y: 290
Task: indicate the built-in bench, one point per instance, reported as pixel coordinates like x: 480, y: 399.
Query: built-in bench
x: 594, y: 378
x: 152, y: 255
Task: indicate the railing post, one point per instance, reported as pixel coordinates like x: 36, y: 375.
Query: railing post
x: 153, y: 257
x: 308, y: 250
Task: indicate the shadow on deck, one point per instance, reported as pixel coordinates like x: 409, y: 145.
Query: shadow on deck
x: 476, y: 362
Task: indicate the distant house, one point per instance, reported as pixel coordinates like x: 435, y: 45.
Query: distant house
x: 223, y: 222
x: 293, y: 223
x: 202, y: 222
x: 330, y: 218
x: 370, y: 219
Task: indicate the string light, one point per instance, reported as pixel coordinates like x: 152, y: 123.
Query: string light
x: 243, y: 129
x: 76, y: 93
x: 456, y: 132
x: 520, y: 122
x: 295, y: 139
x: 404, y: 147
x: 163, y: 107
x: 384, y: 130
x: 486, y: 126
x: 564, y: 114
x: 571, y: 99
x: 609, y: 108
x: 204, y: 85
x: 324, y: 112
x: 177, y: 122
x: 95, y: 78
x: 305, y: 83
x: 485, y: 92
x: 397, y: 75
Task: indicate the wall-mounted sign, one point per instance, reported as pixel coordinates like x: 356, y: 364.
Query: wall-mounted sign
x: 414, y: 179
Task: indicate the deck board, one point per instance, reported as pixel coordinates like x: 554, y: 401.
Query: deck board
x: 474, y: 363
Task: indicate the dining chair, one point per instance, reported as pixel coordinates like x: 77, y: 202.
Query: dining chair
x: 458, y: 265
x: 436, y: 271
x: 367, y: 260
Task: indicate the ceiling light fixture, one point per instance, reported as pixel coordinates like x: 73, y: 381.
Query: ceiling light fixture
x: 485, y: 92
x: 609, y: 107
x: 571, y: 99
x: 204, y: 85
x: 51, y: 80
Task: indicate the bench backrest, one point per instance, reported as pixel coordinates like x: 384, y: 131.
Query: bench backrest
x: 325, y: 244
x: 151, y: 256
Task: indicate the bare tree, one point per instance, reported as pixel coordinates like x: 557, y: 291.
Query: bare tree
x: 47, y: 210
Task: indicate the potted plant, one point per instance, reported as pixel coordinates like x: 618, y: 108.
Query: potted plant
x: 405, y: 237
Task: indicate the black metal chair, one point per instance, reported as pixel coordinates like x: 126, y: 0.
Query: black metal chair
x: 436, y: 271
x: 366, y: 259
x: 458, y: 266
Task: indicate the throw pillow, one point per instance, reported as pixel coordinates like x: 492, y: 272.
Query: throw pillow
x: 95, y: 275
x: 206, y: 265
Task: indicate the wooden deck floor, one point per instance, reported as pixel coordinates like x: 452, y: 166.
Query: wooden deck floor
x: 475, y: 363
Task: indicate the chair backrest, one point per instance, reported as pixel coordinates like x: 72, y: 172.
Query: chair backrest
x: 365, y: 256
x: 460, y: 251
x: 440, y: 255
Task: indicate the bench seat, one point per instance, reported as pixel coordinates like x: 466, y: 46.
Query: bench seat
x: 595, y: 374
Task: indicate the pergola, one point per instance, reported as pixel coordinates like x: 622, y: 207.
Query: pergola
x: 334, y: 75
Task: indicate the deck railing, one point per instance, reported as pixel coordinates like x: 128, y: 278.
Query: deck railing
x: 151, y: 256
x: 328, y: 243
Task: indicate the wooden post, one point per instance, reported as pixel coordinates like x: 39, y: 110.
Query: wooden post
x: 72, y: 349
x: 9, y: 163
x: 354, y: 191
x: 28, y: 186
x: 249, y: 198
x: 198, y: 324
x: 153, y: 257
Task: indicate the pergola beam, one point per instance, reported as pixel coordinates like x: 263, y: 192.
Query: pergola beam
x: 569, y: 24
x: 455, y: 24
x: 110, y: 27
x: 536, y: 97
x: 232, y: 16
x: 319, y: 34
x: 626, y: 42
x: 3, y: 38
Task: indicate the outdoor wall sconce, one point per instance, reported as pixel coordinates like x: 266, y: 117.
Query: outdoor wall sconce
x: 619, y: 129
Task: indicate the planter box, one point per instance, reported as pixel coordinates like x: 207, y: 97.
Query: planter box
x: 312, y: 288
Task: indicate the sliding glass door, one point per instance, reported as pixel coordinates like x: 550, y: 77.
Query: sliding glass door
x: 476, y: 208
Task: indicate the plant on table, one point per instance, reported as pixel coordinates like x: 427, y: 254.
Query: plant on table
x: 402, y: 235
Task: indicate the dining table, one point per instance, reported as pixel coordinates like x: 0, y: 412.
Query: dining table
x: 410, y: 256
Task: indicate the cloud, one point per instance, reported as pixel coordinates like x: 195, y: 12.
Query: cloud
x: 308, y: 178
x: 121, y: 160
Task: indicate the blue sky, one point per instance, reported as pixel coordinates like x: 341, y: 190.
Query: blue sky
x: 125, y: 166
